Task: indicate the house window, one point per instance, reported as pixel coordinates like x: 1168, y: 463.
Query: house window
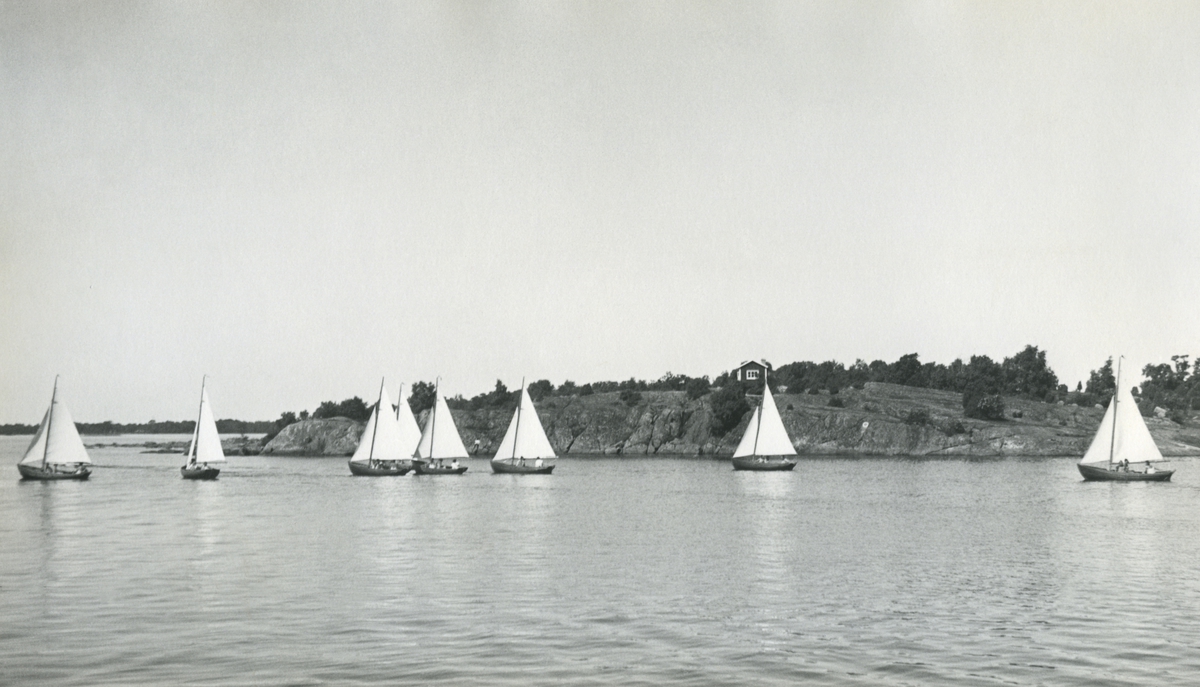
x: 751, y: 374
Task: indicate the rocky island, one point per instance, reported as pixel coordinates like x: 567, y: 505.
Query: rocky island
x: 879, y: 419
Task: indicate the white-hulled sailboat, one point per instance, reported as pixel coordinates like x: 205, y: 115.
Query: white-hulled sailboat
x: 1123, y: 442
x: 380, y: 451
x: 765, y: 445
x: 439, y: 442
x: 56, y: 452
x: 525, y: 448
x: 205, y: 449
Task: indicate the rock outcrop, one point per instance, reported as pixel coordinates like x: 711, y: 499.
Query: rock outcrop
x: 881, y: 419
x: 336, y: 436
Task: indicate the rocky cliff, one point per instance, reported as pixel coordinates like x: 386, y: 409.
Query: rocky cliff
x: 881, y: 419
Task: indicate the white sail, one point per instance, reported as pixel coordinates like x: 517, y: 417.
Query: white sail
x: 56, y: 439
x: 410, y: 432
x: 525, y: 437
x: 440, y: 439
x: 765, y: 435
x: 381, y: 437
x: 206, y: 446
x: 1130, y: 441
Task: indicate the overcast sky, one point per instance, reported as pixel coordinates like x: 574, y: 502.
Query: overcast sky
x: 298, y: 199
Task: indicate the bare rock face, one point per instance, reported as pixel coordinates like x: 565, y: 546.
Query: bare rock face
x: 336, y: 436
x: 880, y: 419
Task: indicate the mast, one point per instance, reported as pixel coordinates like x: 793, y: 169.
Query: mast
x: 437, y: 389
x: 378, y: 417
x: 399, y: 400
x: 49, y: 422
x: 761, y: 404
x: 1112, y: 444
x: 517, y: 429
x: 196, y: 431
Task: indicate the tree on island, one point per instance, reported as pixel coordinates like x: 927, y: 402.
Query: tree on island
x: 728, y: 407
x: 422, y: 397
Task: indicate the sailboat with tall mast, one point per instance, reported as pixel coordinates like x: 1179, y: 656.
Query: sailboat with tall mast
x: 205, y: 450
x: 525, y: 449
x: 440, y: 441
x: 380, y: 452
x: 765, y: 445
x: 1123, y: 441
x: 56, y: 451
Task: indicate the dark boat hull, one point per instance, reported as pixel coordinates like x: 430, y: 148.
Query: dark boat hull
x: 199, y: 473
x: 502, y: 467
x: 422, y: 468
x: 764, y: 466
x: 1091, y: 473
x: 50, y: 474
x: 368, y: 471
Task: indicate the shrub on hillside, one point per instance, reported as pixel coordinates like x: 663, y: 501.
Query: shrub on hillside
x: 728, y: 407
x: 836, y: 402
x: 630, y: 397
x: 917, y: 416
x: 697, y: 387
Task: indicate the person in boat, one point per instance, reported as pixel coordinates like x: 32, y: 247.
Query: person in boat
x: 454, y: 464
x: 1150, y: 468
x: 537, y: 463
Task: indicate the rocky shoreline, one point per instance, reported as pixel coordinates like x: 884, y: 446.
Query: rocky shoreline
x: 880, y: 419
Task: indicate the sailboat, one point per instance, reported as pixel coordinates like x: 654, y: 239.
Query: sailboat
x: 56, y: 452
x: 1123, y: 441
x: 205, y: 449
x: 439, y: 443
x: 525, y: 448
x: 380, y: 452
x: 765, y: 445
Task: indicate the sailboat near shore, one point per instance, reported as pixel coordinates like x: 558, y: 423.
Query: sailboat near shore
x: 765, y: 446
x: 205, y: 450
x: 440, y: 442
x: 1122, y: 441
x: 56, y: 451
x: 525, y: 449
x: 380, y: 451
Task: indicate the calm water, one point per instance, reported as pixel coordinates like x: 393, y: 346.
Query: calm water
x: 610, y: 572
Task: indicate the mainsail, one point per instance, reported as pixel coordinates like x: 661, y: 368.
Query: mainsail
x: 525, y: 437
x: 57, y: 441
x: 410, y: 433
x: 1123, y: 434
x: 440, y: 439
x: 381, y: 437
x: 765, y: 435
x: 206, y: 442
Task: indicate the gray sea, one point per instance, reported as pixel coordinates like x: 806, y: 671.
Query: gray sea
x: 612, y: 571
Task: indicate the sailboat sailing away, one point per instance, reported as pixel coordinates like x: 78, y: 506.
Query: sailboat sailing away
x: 525, y: 448
x: 765, y: 445
x: 380, y: 451
x: 205, y: 450
x: 1123, y: 450
x: 439, y: 443
x: 56, y: 452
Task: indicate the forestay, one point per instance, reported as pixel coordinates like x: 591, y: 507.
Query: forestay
x: 206, y: 441
x: 440, y: 439
x: 1131, y: 441
x: 381, y: 437
x: 525, y: 437
x: 57, y: 430
x: 765, y: 435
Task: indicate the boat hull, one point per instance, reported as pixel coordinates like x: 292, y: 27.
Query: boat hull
x: 1092, y: 473
x: 422, y: 468
x: 505, y: 468
x: 368, y: 471
x: 50, y: 474
x: 199, y: 473
x: 755, y: 465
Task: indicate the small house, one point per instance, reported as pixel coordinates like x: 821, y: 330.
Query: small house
x: 751, y: 371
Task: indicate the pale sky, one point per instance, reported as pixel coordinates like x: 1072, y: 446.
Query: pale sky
x: 301, y: 198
